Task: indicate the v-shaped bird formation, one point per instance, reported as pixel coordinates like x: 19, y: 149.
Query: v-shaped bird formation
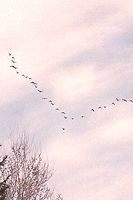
x: 53, y: 104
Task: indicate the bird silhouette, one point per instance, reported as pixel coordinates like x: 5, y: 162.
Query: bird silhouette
x: 105, y: 106
x: 17, y: 72
x: 13, y: 61
x: 50, y: 101
x: 117, y: 99
x: 65, y: 117
x: 124, y: 100
x: 63, y: 113
x: 13, y: 58
x: 33, y: 83
x: 82, y: 116
x: 113, y: 103
x: 99, y: 107
x: 24, y: 76
x: 40, y: 91
x: 10, y: 54
x: 63, y: 129
x: 57, y: 109
x: 52, y: 104
x: 30, y: 78
x: 44, y: 98
x: 72, y: 118
x: 92, y: 110
x: 14, y: 67
x: 131, y: 100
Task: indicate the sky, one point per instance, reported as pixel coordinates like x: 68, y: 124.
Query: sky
x: 80, y: 54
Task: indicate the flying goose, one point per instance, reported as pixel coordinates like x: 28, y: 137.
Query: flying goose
x: 13, y: 67
x: 13, y: 61
x: 63, y: 113
x: 99, y: 107
x: 33, y: 83
x: 124, y: 100
x: 40, y: 91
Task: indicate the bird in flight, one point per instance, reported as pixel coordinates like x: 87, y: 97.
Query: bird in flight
x: 92, y: 110
x: 65, y: 117
x: 30, y: 78
x: 40, y: 91
x: 13, y: 61
x: 124, y: 100
x: 44, y: 98
x: 113, y: 103
x: 99, y: 107
x: 10, y: 54
x: 52, y: 104
x: 117, y: 99
x: 72, y: 118
x: 17, y: 72
x: 104, y: 106
x: 50, y: 101
x: 13, y: 67
x: 13, y: 58
x: 131, y: 100
x: 82, y: 116
x: 63, y: 129
x: 24, y: 76
x: 63, y: 113
x: 57, y: 109
x: 33, y: 83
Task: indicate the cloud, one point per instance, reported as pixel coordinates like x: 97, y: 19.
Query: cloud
x: 80, y: 53
x: 97, y: 162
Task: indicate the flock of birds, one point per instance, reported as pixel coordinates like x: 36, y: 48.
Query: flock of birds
x: 63, y: 113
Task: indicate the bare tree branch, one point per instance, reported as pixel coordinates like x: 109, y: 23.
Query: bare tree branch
x: 28, y: 175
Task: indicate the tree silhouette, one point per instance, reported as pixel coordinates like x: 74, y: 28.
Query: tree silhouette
x: 3, y: 181
x: 29, y: 174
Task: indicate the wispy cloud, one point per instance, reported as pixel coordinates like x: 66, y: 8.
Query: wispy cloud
x: 80, y: 54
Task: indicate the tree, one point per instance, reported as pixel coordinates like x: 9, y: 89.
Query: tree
x: 3, y: 184
x: 29, y: 174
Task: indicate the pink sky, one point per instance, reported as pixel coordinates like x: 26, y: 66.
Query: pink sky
x: 80, y: 53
